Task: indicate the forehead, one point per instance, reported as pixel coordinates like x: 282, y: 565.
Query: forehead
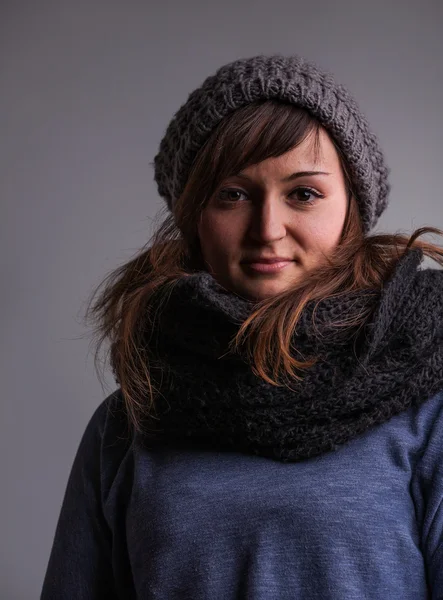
x: 307, y: 156
x: 310, y: 153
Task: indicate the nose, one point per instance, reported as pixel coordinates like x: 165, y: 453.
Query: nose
x: 268, y: 221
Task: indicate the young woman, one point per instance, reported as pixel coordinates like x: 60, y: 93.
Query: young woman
x: 277, y: 431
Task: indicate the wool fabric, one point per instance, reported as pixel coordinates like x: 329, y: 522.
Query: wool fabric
x: 364, y: 375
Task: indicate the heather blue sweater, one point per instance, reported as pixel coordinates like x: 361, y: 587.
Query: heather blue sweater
x: 363, y: 522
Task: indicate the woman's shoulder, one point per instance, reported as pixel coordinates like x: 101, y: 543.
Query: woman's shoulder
x: 109, y: 418
x: 113, y: 426
x: 107, y: 438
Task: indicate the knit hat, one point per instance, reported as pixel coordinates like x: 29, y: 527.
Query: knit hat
x: 290, y: 79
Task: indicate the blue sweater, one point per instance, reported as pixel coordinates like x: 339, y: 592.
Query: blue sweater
x: 363, y: 522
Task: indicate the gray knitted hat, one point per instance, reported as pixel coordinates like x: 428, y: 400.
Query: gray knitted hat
x: 290, y: 79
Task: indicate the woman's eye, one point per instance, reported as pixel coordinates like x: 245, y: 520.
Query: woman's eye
x: 229, y: 195
x: 303, y: 192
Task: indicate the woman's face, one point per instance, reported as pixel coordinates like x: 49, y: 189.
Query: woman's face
x: 268, y: 226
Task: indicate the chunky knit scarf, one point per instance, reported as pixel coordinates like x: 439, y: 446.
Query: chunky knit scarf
x: 210, y: 397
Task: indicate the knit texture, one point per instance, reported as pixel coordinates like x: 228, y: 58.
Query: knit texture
x: 290, y: 79
x: 362, y: 379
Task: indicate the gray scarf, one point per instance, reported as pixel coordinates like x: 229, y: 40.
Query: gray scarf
x: 365, y: 377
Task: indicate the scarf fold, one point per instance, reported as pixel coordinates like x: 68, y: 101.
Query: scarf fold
x: 211, y: 397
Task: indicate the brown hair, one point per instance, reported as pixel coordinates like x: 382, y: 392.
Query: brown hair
x: 247, y: 136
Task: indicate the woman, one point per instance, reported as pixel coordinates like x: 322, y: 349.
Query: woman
x: 277, y: 431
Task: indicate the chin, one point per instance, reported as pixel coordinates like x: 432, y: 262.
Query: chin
x: 256, y: 290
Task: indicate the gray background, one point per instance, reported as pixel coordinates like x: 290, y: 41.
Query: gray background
x: 87, y: 89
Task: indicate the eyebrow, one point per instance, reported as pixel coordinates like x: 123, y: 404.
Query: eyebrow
x: 292, y: 176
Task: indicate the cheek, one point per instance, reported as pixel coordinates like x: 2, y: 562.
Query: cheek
x: 324, y: 230
x: 219, y: 236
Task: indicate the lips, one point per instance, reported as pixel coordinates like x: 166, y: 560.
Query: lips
x: 271, y: 260
x: 268, y: 265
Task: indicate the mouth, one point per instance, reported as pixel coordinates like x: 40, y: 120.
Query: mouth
x: 268, y: 266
